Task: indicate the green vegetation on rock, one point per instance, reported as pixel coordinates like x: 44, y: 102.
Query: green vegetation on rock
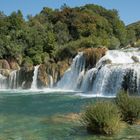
x: 129, y: 107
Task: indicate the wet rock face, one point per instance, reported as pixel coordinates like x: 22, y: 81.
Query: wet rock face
x: 130, y: 82
x: 42, y: 78
x: 50, y: 73
x: 25, y: 77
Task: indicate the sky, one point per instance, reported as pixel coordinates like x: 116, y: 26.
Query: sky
x: 129, y: 10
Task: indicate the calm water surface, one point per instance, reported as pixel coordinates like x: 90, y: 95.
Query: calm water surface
x: 28, y: 115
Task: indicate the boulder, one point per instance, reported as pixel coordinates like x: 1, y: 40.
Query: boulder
x: 135, y: 59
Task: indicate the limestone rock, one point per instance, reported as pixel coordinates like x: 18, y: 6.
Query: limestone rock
x: 4, y: 64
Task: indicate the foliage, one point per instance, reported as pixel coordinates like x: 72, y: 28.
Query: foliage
x: 129, y: 107
x: 102, y: 118
x: 135, y: 28
x: 27, y: 62
x: 66, y: 29
x: 64, y: 52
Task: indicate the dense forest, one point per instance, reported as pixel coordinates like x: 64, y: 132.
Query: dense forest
x: 57, y: 34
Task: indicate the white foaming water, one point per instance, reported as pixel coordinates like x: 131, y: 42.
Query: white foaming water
x: 121, y: 56
x: 34, y: 82
x: 10, y: 82
x: 88, y: 79
x: 50, y: 81
x: 13, y: 80
x: 109, y: 79
x: 70, y: 78
x: 2, y: 82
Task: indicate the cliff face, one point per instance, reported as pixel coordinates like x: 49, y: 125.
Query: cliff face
x: 50, y: 72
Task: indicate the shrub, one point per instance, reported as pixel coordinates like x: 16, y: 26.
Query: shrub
x: 37, y: 59
x: 65, y: 52
x: 102, y: 118
x: 129, y: 107
x: 27, y: 62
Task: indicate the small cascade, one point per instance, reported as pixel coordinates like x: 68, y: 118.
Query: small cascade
x: 13, y: 80
x: 34, y: 82
x: 3, y: 82
x: 70, y: 78
x: 50, y: 81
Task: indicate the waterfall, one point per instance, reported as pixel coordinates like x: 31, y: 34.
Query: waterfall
x: 13, y: 80
x: 88, y: 80
x: 10, y: 82
x: 118, y: 69
x: 70, y: 78
x: 34, y: 82
x: 3, y: 82
x: 50, y: 81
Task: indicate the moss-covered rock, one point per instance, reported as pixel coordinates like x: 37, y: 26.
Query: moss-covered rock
x: 92, y: 55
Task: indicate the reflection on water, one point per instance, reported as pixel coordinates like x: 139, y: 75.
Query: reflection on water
x: 52, y: 116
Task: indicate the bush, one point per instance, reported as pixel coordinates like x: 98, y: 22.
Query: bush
x: 102, y: 118
x: 27, y: 62
x: 65, y: 52
x: 37, y: 59
x: 129, y: 107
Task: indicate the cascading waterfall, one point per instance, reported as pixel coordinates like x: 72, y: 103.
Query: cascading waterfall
x: 34, y: 82
x: 50, y: 81
x: 70, y: 78
x: 3, y: 81
x: 88, y: 80
x: 13, y: 80
x: 10, y: 82
x: 116, y: 70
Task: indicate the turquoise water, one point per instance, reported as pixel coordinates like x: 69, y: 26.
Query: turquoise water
x: 28, y: 115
